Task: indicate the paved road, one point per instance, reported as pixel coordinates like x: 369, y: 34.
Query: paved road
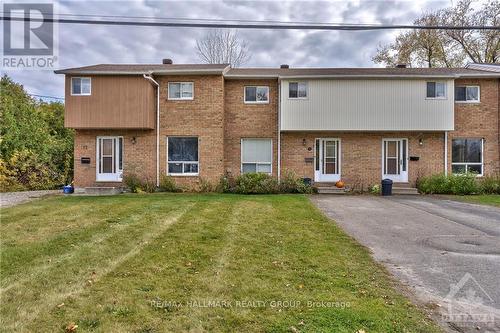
x: 431, y: 244
x: 14, y: 198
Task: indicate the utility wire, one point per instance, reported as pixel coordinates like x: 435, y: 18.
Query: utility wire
x: 341, y: 27
x: 45, y: 96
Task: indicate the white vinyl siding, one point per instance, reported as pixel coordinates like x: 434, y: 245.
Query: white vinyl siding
x: 256, y: 155
x: 367, y: 105
x: 180, y: 91
x: 80, y: 86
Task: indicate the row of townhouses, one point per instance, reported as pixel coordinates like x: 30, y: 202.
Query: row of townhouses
x: 361, y: 125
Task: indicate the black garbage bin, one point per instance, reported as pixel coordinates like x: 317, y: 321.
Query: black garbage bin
x: 307, y: 181
x: 386, y: 187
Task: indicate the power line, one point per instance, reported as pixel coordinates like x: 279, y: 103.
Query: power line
x: 341, y: 27
x: 45, y: 96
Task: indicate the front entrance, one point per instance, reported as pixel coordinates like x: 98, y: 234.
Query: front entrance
x: 395, y: 159
x: 109, y: 158
x: 327, y: 160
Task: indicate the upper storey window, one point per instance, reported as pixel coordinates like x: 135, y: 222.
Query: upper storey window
x: 467, y: 94
x: 80, y: 86
x: 256, y: 94
x: 180, y: 90
x: 436, y: 90
x: 297, y: 90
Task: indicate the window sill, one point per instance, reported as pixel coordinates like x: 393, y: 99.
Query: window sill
x: 183, y: 174
x: 267, y: 102
x: 180, y: 99
x: 436, y: 98
x: 468, y: 102
x: 298, y: 98
x: 81, y: 94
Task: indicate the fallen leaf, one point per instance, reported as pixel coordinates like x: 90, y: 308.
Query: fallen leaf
x: 361, y: 331
x: 71, y: 327
x: 60, y: 305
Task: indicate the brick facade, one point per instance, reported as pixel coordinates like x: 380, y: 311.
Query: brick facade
x: 218, y: 116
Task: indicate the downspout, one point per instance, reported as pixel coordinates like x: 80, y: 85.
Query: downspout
x: 446, y: 153
x: 148, y: 77
x: 279, y: 130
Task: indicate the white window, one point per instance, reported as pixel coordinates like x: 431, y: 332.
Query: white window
x: 256, y: 155
x: 80, y: 86
x: 182, y: 156
x: 256, y: 94
x: 436, y: 90
x: 180, y: 90
x: 467, y: 156
x: 297, y: 90
x: 467, y: 94
x: 109, y: 158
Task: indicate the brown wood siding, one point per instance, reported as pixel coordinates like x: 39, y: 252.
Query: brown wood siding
x: 127, y: 102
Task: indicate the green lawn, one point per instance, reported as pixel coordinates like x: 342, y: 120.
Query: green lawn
x: 485, y: 199
x: 168, y: 262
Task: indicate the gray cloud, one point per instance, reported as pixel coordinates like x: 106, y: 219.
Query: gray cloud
x: 89, y: 44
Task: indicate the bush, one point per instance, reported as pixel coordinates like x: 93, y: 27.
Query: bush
x: 205, y: 186
x: 167, y: 184
x: 490, y: 185
x: 374, y: 189
x: 226, y: 184
x: 453, y: 184
x: 148, y: 186
x: 290, y: 183
x: 133, y: 183
x: 256, y: 183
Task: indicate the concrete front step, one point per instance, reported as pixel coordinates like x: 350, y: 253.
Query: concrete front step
x: 330, y: 190
x: 102, y: 190
x: 405, y: 190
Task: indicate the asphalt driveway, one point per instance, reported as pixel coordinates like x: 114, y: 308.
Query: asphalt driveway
x: 448, y: 252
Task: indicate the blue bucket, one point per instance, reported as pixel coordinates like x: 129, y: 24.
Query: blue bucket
x: 68, y: 189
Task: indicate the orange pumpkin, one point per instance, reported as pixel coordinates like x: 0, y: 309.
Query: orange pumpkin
x: 339, y: 184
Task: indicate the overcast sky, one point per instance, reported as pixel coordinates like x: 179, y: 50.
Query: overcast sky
x: 81, y: 45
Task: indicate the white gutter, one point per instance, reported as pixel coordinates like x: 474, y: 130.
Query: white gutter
x: 446, y: 153
x: 148, y: 77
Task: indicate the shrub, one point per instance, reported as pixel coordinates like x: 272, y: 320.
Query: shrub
x: 167, y: 184
x: 463, y: 184
x: 453, y: 184
x: 132, y: 182
x: 148, y: 186
x: 205, y: 186
x: 290, y: 183
x: 374, y: 189
x: 256, y: 183
x: 226, y: 184
x: 490, y: 185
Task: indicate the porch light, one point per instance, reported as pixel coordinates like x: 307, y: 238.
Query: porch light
x: 421, y: 142
x: 133, y: 140
x: 304, y: 142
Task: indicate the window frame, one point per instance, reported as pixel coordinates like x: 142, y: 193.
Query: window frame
x: 466, y: 164
x: 184, y: 174
x: 80, y: 78
x: 180, y: 89
x: 436, y: 97
x: 256, y: 162
x: 256, y: 101
x: 474, y: 101
x: 298, y: 82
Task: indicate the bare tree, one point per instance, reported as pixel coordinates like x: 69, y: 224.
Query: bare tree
x: 447, y: 48
x: 222, y: 47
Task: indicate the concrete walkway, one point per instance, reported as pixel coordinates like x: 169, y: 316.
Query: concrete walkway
x: 9, y: 199
x: 448, y: 252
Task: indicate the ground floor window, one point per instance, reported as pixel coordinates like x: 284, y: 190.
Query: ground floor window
x: 109, y: 158
x: 182, y: 155
x: 256, y: 155
x: 467, y: 156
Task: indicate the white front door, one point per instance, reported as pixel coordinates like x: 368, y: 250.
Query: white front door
x: 327, y: 160
x: 395, y: 159
x: 109, y: 159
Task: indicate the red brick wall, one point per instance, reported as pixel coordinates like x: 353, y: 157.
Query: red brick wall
x: 248, y: 121
x: 139, y: 157
x: 361, y: 154
x: 480, y: 120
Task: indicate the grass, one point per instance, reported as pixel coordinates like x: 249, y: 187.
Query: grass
x: 483, y: 199
x: 180, y: 262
